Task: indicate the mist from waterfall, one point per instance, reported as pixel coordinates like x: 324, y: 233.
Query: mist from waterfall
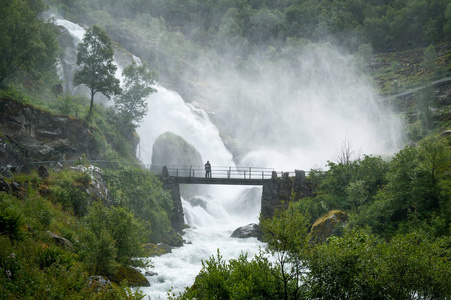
x: 297, y: 106
x: 293, y: 111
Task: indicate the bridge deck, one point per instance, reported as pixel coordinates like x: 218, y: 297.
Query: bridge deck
x: 222, y: 181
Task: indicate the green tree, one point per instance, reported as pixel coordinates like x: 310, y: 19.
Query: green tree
x: 26, y: 40
x: 142, y: 194
x: 111, y: 237
x: 97, y: 70
x: 131, y: 104
x: 287, y: 237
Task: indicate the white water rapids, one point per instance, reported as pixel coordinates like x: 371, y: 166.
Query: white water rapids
x: 210, y: 228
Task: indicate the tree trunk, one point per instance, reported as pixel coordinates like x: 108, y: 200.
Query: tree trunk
x: 90, y: 106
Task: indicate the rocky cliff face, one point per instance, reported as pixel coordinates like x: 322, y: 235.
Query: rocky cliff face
x: 28, y: 134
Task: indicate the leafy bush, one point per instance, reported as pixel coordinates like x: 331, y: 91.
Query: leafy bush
x: 70, y: 192
x: 237, y: 279
x: 11, y: 219
x: 141, y: 193
x: 111, y: 236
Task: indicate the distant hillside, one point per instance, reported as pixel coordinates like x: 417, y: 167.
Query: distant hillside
x: 398, y: 71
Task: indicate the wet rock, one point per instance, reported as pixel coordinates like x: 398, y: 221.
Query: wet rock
x: 133, y: 277
x: 198, y: 202
x: 150, y: 273
x: 166, y: 248
x: 60, y: 240
x: 43, y: 172
x: 248, y: 231
x: 4, y: 186
x: 31, y: 134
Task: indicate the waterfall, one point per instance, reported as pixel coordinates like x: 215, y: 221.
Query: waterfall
x: 168, y: 112
x: 212, y: 223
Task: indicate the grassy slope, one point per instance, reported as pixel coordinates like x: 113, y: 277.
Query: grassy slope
x: 395, y: 72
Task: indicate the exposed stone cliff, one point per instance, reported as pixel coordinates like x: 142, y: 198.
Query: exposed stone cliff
x: 39, y: 135
x: 29, y: 134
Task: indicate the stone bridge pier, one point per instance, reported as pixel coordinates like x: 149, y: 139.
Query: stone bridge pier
x: 276, y: 193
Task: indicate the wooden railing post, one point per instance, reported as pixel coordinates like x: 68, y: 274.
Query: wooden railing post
x: 228, y: 172
x: 250, y: 173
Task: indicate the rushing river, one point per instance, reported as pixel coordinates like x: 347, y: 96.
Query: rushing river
x: 210, y: 225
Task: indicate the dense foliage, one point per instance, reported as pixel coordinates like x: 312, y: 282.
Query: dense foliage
x: 130, y: 188
x: 397, y: 244
x: 355, y: 266
x: 384, y: 24
x: 33, y: 265
x: 26, y: 41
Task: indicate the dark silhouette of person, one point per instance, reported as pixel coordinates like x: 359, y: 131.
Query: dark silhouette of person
x: 207, y: 170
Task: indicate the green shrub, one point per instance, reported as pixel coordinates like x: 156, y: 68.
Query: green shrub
x: 53, y: 256
x: 11, y: 220
x: 237, y: 279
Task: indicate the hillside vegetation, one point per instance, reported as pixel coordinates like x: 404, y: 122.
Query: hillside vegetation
x: 56, y: 231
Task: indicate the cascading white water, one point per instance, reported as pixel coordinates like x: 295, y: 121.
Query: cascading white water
x: 211, y: 225
x: 168, y: 112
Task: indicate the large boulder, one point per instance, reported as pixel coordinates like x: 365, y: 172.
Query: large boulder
x: 330, y: 224
x: 171, y: 149
x: 248, y: 231
x: 132, y: 276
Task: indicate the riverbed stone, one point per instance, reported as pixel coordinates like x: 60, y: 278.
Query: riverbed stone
x: 248, y: 231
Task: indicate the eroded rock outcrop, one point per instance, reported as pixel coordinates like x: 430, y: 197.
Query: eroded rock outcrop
x: 30, y: 134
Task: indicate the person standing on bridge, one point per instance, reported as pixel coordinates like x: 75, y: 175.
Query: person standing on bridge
x: 207, y: 170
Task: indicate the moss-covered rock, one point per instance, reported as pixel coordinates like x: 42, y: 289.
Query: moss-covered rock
x: 330, y: 224
x: 132, y: 276
x: 156, y: 250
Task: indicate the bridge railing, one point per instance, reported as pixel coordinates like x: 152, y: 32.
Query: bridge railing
x: 216, y: 172
x: 177, y: 170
